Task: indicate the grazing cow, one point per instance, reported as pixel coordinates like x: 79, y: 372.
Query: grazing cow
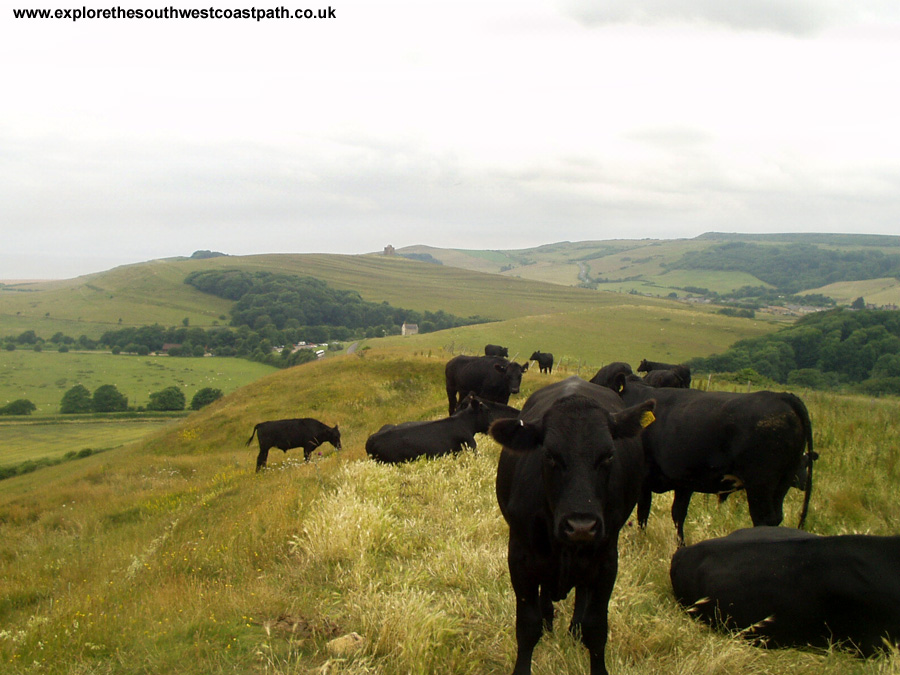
x: 682, y: 371
x: 489, y: 377
x: 405, y: 442
x: 786, y: 588
x: 719, y: 442
x: 568, y: 478
x: 496, y: 350
x: 608, y: 375
x: 664, y: 378
x: 544, y: 361
x: 306, y: 433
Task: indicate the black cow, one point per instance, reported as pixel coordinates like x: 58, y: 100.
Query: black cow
x: 495, y: 410
x: 544, y: 361
x: 789, y: 588
x: 568, y: 478
x: 608, y: 375
x: 720, y: 442
x: 489, y: 377
x: 408, y: 441
x: 665, y: 378
x: 496, y: 350
x: 682, y: 371
x: 305, y: 432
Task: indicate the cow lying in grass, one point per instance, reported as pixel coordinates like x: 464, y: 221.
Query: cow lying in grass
x: 784, y: 587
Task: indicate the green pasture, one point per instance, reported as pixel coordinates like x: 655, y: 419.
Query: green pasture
x: 585, y: 340
x: 22, y: 440
x: 875, y: 291
x: 43, y: 377
x: 172, y: 555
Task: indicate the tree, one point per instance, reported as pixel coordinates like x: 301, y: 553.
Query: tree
x: 21, y: 406
x: 859, y: 303
x: 76, y: 400
x: 170, y: 398
x: 107, y: 398
x: 204, y: 397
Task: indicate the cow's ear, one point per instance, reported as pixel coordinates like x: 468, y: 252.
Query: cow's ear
x: 516, y: 435
x: 619, y: 382
x: 629, y: 422
x: 500, y: 367
x: 525, y: 367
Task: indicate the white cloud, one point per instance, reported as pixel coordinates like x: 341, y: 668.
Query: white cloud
x: 454, y: 124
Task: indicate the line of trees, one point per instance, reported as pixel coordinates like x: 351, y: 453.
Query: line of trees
x: 108, y: 399
x: 839, y: 347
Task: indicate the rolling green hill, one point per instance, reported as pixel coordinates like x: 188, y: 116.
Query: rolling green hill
x: 657, y: 267
x: 154, y: 292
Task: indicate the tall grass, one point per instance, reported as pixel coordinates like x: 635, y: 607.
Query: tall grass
x: 173, y: 555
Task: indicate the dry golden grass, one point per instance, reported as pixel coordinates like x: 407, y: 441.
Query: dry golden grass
x: 172, y: 555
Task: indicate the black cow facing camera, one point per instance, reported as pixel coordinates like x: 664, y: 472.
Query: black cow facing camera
x: 569, y: 476
x: 305, y: 432
x: 788, y: 588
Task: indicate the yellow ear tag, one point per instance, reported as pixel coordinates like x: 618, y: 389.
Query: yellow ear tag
x: 647, y: 419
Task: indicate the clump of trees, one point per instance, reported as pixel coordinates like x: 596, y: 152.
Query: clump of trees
x: 106, y: 398
x: 21, y: 406
x: 859, y: 349
x: 287, y: 302
x: 204, y: 397
x: 170, y: 398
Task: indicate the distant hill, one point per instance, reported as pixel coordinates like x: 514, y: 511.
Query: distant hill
x: 583, y: 326
x: 684, y: 266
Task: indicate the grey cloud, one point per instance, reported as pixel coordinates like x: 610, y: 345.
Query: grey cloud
x: 793, y: 17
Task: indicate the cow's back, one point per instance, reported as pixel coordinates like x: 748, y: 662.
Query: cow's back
x: 794, y: 588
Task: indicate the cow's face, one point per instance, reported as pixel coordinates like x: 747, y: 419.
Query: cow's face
x: 335, y: 437
x: 512, y: 372
x: 473, y: 407
x: 577, y: 438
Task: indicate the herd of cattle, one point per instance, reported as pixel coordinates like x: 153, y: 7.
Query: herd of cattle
x: 580, y: 455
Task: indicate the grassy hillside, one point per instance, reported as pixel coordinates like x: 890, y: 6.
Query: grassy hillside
x: 583, y: 341
x: 644, y: 266
x: 154, y: 292
x: 172, y: 555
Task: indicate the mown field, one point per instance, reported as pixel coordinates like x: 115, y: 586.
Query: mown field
x: 171, y: 554
x: 43, y: 377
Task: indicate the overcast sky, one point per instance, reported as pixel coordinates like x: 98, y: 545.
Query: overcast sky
x: 456, y: 124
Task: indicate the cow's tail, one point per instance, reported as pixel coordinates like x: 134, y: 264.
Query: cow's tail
x: 809, y: 458
x: 249, y: 440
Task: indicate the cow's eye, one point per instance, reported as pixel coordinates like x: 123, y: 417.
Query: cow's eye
x: 604, y: 462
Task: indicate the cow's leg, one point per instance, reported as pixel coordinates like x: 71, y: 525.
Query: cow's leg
x: 643, y: 508
x: 679, y: 512
x: 765, y: 508
x: 547, y: 611
x: 591, y: 614
x: 261, y: 458
x: 451, y: 399
x: 307, y: 450
x: 529, y: 610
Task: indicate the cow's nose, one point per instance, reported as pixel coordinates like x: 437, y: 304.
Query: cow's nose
x: 581, y: 528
